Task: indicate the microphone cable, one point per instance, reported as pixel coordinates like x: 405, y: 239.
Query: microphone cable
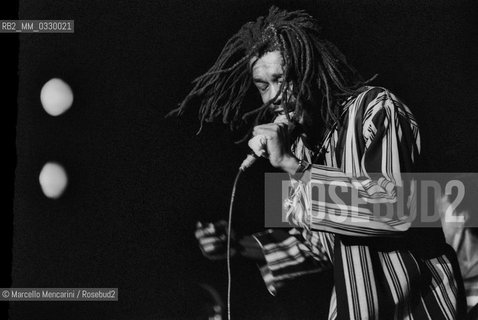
x: 228, y: 248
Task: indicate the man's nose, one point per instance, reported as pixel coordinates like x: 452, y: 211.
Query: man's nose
x: 273, y: 93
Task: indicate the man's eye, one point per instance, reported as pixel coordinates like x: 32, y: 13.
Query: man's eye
x: 262, y: 88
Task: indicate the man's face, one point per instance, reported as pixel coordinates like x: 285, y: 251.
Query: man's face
x: 268, y: 76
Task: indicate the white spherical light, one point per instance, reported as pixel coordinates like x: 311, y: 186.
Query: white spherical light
x: 56, y: 97
x: 53, y: 180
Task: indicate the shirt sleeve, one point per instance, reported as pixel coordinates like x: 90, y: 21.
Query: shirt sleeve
x: 288, y: 256
x: 369, y: 195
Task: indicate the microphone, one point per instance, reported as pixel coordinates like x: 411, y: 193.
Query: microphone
x: 261, y: 141
x: 248, y: 161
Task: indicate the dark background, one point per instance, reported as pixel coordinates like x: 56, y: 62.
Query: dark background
x: 139, y: 182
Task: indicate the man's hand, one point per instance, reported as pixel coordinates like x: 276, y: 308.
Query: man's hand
x: 277, y: 146
x: 212, y: 239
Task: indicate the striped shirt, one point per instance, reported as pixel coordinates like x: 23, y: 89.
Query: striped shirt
x: 383, y: 269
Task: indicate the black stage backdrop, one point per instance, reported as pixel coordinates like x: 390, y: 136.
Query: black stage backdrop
x: 138, y: 182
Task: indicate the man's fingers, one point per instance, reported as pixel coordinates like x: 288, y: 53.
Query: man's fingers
x: 202, y: 233
x: 214, y: 248
x: 209, y: 248
x: 219, y: 229
x: 210, y: 240
x: 209, y: 230
x: 199, y: 233
x: 257, y: 145
x: 268, y: 129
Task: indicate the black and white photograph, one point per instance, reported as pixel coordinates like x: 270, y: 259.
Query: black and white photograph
x: 240, y: 159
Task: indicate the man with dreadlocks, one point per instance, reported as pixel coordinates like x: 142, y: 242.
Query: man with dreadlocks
x: 329, y: 127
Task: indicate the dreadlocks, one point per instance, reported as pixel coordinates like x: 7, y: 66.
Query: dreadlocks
x: 311, y: 64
